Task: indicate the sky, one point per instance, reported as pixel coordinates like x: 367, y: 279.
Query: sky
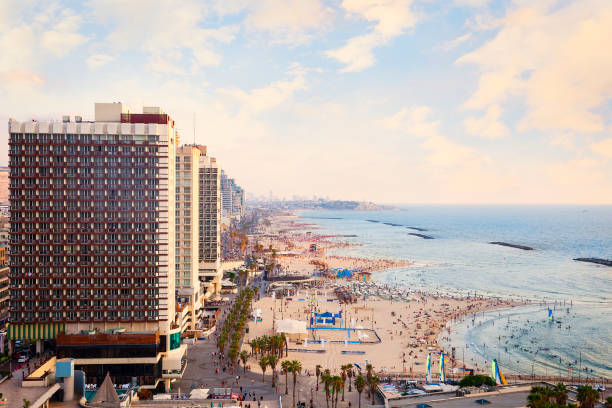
x: 391, y: 101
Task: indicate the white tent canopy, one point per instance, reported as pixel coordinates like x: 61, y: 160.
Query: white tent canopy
x: 199, y: 393
x: 291, y: 326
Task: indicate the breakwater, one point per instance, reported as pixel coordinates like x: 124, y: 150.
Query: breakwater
x: 506, y: 244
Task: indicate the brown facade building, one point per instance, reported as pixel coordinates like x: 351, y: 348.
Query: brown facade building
x: 92, y: 241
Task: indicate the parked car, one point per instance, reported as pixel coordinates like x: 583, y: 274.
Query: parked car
x: 22, y: 359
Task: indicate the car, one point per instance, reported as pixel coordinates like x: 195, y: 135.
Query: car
x: 22, y: 359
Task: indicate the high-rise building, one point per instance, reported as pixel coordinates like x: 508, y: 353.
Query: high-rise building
x: 92, y: 241
x: 198, y: 269
x: 187, y: 243
x: 226, y: 198
x: 210, y: 223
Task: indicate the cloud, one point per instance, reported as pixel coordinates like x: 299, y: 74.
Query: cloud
x: 31, y: 33
x: 273, y: 95
x: 21, y: 77
x: 288, y: 21
x: 472, y: 3
x: 443, y: 152
x: 487, y: 126
x: 162, y: 31
x: 391, y: 18
x: 98, y: 60
x: 603, y: 148
x: 454, y: 43
x: 551, y: 60
x: 64, y: 34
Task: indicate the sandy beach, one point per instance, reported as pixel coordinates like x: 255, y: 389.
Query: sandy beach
x: 408, y: 329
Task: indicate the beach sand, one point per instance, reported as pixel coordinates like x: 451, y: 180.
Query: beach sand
x: 408, y: 330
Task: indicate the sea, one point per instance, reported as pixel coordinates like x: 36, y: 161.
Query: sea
x: 575, y: 341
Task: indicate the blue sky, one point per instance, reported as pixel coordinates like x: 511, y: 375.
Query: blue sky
x: 397, y: 101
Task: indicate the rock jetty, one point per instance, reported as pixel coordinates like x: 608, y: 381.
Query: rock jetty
x: 599, y: 261
x: 421, y: 235
x: 417, y: 229
x: 506, y: 244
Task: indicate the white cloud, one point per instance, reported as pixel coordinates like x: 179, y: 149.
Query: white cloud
x: 552, y: 60
x: 454, y: 43
x: 262, y: 99
x: 443, y: 152
x: 98, y: 60
x: 32, y: 32
x: 288, y: 21
x: 391, y: 18
x: 163, y: 30
x: 488, y: 126
x: 472, y: 3
x: 603, y: 148
x: 63, y: 36
x: 21, y: 77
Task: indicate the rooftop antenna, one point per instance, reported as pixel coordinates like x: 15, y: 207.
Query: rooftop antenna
x: 194, y: 128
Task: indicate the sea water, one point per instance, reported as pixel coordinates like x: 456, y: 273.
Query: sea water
x: 460, y: 260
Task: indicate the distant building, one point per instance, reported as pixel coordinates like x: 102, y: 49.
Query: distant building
x: 197, y: 235
x: 210, y: 224
x: 232, y: 199
x: 92, y: 242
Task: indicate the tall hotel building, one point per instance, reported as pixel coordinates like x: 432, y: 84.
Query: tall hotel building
x: 92, y: 242
x: 210, y: 270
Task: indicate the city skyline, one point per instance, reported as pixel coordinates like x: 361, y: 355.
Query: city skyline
x: 465, y: 101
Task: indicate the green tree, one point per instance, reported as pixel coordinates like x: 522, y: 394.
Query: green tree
x: 244, y: 356
x: 349, y: 373
x: 560, y: 394
x: 476, y: 381
x: 608, y: 403
x: 263, y: 363
x: 539, y: 397
x: 318, y: 373
x: 373, y: 383
x: 286, y: 366
x: 272, y: 361
x: 337, y: 386
x: 587, y: 396
x: 360, y: 384
x: 295, y: 368
x: 326, y: 380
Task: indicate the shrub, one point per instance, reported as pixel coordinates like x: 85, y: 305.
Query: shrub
x: 476, y: 381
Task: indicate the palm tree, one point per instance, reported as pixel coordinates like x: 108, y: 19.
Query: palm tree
x: 369, y: 369
x: 286, y: 365
x: 373, y: 383
x: 296, y: 367
x: 337, y: 386
x: 538, y: 397
x: 560, y: 394
x: 244, y: 356
x: 272, y: 361
x: 359, y: 386
x: 588, y: 396
x: 263, y: 363
x: 326, y: 379
x: 349, y: 373
x: 343, y: 376
x: 318, y: 373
